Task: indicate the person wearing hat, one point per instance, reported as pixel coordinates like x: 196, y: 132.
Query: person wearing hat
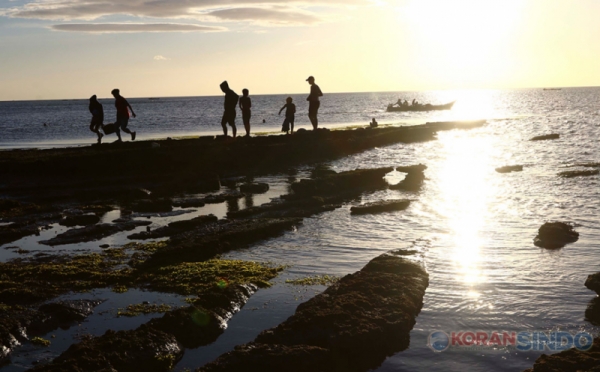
x: 313, y: 102
x: 123, y: 108
x: 97, y: 112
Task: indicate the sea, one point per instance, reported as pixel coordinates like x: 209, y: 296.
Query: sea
x: 473, y: 227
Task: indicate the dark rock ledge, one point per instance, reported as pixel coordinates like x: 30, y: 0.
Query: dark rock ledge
x: 352, y: 326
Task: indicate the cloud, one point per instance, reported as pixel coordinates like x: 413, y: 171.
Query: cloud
x: 265, y: 15
x: 160, y: 58
x: 133, y: 27
x: 93, y: 9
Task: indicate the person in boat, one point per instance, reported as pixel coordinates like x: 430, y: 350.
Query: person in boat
x: 399, y: 103
x: 373, y: 123
x: 97, y: 112
x: 405, y: 104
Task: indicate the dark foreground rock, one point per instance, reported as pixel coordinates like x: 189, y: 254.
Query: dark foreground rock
x: 381, y: 206
x: 94, y: 232
x: 509, y: 168
x: 554, y: 235
x: 545, y: 137
x: 80, y: 220
x: 592, y: 312
x: 582, y: 173
x: 142, y: 349
x: 352, y: 326
x: 571, y: 360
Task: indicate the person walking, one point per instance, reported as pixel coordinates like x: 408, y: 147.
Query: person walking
x: 97, y: 112
x: 290, y: 110
x: 313, y: 102
x: 245, y: 105
x: 123, y: 108
x: 231, y: 101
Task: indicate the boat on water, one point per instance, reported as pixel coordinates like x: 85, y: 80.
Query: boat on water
x: 426, y: 107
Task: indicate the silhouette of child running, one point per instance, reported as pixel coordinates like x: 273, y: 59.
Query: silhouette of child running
x: 97, y: 112
x: 290, y: 110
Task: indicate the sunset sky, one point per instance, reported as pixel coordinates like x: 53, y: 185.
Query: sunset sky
x: 55, y: 49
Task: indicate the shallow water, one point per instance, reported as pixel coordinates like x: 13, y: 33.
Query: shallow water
x: 473, y: 227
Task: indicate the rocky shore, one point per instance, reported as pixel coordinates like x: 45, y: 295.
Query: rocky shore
x: 352, y: 326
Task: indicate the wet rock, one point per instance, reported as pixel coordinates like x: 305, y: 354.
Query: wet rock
x: 593, y: 282
x: 592, y: 312
x: 417, y: 168
x: 509, y: 168
x: 553, y: 235
x: 70, y: 310
x: 137, y: 193
x: 381, y: 206
x: 294, y: 358
x: 8, y: 204
x: 344, y: 182
x: 545, y: 137
x: 358, y: 322
x: 412, y: 182
x: 175, y: 228
x: 214, y: 238
x: 571, y: 360
x: 80, y: 220
x: 94, y: 232
x: 220, y: 198
x: 142, y: 349
x: 150, y: 206
x: 322, y: 171
x: 254, y: 188
x: 582, y: 173
x: 189, y: 203
x: 15, y: 232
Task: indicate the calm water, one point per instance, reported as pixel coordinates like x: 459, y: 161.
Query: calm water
x: 473, y: 227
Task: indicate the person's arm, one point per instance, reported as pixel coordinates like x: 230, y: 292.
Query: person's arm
x: 320, y: 93
x: 130, y: 108
x: 281, y: 109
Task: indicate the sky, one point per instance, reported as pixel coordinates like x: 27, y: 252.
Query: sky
x: 67, y: 49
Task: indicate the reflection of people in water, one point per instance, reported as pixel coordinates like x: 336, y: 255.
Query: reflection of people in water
x: 97, y: 112
x: 373, y: 123
x: 245, y: 105
x: 231, y: 101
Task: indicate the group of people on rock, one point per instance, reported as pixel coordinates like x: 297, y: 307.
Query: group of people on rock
x: 123, y: 107
x: 232, y: 101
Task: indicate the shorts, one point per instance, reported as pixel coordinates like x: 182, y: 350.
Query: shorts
x: 313, y: 108
x: 228, y: 118
x: 122, y: 123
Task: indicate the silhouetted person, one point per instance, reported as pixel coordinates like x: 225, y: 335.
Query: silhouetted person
x: 123, y: 108
x: 313, y: 102
x: 97, y: 112
x: 373, y: 123
x: 231, y: 101
x: 290, y: 110
x: 245, y: 105
x: 405, y: 103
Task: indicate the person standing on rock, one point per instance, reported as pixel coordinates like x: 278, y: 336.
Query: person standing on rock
x: 123, y: 108
x: 97, y: 112
x: 313, y: 102
x: 245, y: 105
x: 231, y: 101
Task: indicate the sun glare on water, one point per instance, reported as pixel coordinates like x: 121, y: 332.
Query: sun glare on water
x: 465, y: 197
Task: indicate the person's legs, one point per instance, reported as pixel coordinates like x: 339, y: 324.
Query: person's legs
x: 292, y: 123
x: 224, y: 124
x: 313, y: 109
x: 118, y: 130
x: 123, y: 124
x: 232, y: 123
x: 246, y: 119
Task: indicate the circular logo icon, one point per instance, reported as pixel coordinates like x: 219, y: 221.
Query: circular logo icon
x: 438, y: 341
